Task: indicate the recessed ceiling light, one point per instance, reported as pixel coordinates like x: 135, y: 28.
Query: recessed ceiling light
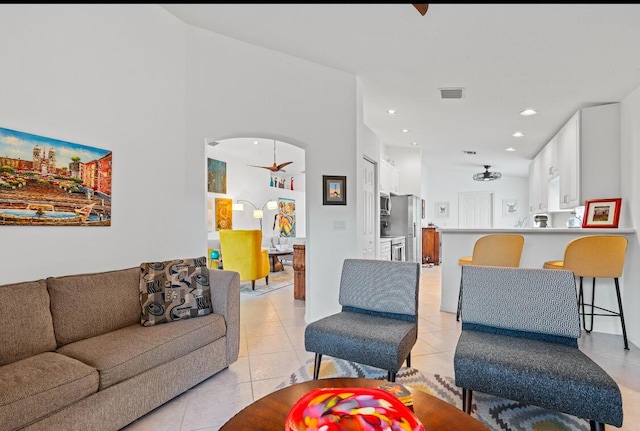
x: 255, y: 142
x: 414, y: 144
x: 528, y: 112
x: 391, y: 111
x: 405, y: 130
x: 518, y: 135
x: 510, y: 149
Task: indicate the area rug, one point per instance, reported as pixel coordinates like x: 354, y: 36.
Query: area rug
x: 497, y: 414
x: 277, y: 280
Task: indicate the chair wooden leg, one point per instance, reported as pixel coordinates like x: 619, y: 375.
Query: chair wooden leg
x: 467, y: 395
x: 596, y: 426
x: 267, y: 279
x: 409, y: 360
x: 391, y: 376
x: 624, y: 329
x: 316, y: 366
x: 253, y: 285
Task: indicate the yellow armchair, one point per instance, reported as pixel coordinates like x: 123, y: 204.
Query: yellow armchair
x: 242, y: 252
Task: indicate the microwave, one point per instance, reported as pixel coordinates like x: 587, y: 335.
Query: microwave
x: 385, y: 204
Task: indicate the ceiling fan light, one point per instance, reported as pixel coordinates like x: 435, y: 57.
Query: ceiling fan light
x: 486, y: 175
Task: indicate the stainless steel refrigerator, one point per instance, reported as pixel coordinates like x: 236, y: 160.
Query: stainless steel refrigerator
x: 404, y: 220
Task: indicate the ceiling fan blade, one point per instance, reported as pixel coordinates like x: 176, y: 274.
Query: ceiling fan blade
x: 422, y: 7
x: 282, y: 165
x: 263, y: 167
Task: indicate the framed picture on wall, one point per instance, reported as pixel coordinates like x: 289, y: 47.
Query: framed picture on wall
x: 442, y: 209
x: 334, y: 190
x: 510, y: 208
x: 602, y: 213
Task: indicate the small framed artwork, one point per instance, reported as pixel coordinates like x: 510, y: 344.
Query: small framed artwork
x: 602, y: 213
x: 442, y: 209
x: 510, y: 208
x: 334, y: 190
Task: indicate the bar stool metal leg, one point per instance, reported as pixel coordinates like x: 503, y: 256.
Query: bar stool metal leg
x: 624, y: 329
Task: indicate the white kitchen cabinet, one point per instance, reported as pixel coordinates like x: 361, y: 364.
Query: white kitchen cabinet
x: 550, y: 159
x: 569, y: 163
x: 537, y: 186
x: 385, y: 248
x: 584, y: 159
x: 389, y: 178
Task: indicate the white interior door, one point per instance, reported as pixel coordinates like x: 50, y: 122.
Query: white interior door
x: 475, y: 209
x: 369, y: 211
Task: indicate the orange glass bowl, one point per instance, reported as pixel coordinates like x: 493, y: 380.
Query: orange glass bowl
x: 353, y: 409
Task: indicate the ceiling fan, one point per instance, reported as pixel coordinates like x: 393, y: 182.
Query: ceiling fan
x: 422, y: 7
x: 275, y: 167
x: 486, y: 175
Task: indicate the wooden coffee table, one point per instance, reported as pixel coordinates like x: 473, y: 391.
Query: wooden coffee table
x: 270, y: 411
x: 274, y: 263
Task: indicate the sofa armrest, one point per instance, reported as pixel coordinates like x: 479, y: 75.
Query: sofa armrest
x: 225, y: 299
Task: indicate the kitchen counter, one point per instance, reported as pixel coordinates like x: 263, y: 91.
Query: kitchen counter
x: 540, y: 245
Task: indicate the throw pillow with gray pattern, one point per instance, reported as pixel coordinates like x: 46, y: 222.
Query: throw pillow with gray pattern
x: 174, y: 290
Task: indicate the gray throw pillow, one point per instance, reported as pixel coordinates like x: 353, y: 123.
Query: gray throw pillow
x: 174, y: 290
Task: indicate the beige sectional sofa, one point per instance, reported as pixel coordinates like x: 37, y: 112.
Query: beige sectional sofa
x: 75, y: 356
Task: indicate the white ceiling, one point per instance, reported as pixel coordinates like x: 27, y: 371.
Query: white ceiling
x: 555, y: 58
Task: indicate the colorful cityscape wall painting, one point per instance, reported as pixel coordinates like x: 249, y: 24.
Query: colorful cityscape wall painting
x: 287, y: 216
x: 216, y: 176
x: 48, y: 182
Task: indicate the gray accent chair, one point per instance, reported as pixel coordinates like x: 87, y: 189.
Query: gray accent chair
x: 519, y: 341
x: 378, y: 324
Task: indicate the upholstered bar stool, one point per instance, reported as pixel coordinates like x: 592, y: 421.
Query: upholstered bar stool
x: 492, y: 250
x: 595, y: 256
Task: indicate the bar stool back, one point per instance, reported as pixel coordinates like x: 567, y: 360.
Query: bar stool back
x: 596, y: 256
x: 492, y: 250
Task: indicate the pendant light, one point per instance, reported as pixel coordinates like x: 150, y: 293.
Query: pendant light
x: 486, y: 175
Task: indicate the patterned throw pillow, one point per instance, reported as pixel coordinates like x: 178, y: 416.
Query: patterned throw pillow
x: 174, y: 290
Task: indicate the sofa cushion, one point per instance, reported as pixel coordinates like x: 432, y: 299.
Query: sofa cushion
x: 86, y: 305
x: 27, y: 328
x: 174, y: 290
x: 42, y: 384
x: 129, y: 351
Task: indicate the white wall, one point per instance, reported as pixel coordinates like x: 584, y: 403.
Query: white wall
x: 444, y: 185
x: 369, y: 147
x: 234, y: 90
x: 113, y: 77
x: 630, y: 193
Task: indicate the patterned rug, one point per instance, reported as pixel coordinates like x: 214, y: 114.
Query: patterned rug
x: 496, y: 413
x: 277, y: 280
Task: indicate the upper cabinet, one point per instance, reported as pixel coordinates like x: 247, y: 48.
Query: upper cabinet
x: 569, y: 167
x: 389, y: 178
x: 584, y: 159
x: 542, y: 169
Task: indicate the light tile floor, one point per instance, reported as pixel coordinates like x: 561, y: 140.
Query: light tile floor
x: 272, y: 347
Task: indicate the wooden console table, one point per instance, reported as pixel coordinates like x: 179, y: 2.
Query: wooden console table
x: 299, y: 287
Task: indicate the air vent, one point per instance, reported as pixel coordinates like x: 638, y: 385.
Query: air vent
x: 451, y: 93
